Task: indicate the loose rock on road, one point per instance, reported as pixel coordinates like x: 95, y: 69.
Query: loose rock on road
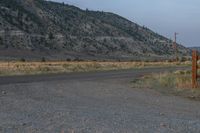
x: 92, y: 103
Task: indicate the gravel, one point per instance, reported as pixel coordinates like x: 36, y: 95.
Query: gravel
x: 102, y: 102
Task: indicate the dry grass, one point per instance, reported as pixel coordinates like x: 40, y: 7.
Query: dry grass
x: 177, y: 83
x: 24, y: 68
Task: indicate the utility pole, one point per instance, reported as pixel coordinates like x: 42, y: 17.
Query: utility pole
x: 175, y: 46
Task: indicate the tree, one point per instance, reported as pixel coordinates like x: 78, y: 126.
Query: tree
x: 22, y: 59
x: 43, y: 59
x: 1, y: 41
x: 51, y: 36
x: 136, y: 28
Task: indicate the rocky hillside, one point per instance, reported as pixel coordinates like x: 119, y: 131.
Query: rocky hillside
x: 36, y: 28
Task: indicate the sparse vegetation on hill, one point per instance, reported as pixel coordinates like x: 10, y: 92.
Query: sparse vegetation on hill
x: 62, y: 31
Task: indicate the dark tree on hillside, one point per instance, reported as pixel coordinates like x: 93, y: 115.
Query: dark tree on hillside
x: 51, y: 36
x: 43, y: 59
x: 136, y: 28
x: 1, y: 41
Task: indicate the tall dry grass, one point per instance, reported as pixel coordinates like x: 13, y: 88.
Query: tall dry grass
x: 22, y: 68
x: 177, y: 83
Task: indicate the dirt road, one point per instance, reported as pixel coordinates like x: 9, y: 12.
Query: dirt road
x: 95, y: 102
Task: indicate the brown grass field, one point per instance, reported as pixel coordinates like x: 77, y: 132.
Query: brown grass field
x: 27, y: 68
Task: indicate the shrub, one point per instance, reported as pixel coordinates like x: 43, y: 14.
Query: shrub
x: 68, y: 59
x: 22, y: 60
x: 78, y: 59
x: 51, y: 36
x: 43, y: 59
x: 1, y: 41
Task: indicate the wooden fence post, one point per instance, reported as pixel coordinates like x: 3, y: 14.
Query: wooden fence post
x: 194, y: 68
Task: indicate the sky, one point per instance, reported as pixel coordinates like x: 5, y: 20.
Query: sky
x: 162, y: 16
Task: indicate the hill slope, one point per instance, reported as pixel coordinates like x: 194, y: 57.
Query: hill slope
x: 37, y: 28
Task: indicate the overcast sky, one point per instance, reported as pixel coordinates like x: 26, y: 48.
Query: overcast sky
x: 162, y: 16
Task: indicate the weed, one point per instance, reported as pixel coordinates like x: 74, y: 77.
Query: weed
x: 178, y: 83
x: 22, y: 68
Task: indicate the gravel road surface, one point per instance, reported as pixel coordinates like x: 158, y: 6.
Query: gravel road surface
x: 95, y: 102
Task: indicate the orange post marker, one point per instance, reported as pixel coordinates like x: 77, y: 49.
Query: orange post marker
x: 194, y: 68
